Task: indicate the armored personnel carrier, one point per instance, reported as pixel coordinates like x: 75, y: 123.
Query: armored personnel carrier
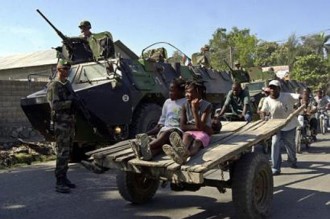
x: 119, y: 93
x: 122, y: 96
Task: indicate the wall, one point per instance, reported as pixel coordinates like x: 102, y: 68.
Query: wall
x: 13, y: 122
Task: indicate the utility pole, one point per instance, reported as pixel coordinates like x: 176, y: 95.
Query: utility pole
x: 231, y: 61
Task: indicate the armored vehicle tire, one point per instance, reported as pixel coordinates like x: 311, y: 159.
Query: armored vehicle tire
x: 145, y: 118
x: 136, y: 188
x: 252, y: 186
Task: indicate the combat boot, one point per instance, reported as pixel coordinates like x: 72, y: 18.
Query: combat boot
x: 69, y: 183
x: 61, y: 186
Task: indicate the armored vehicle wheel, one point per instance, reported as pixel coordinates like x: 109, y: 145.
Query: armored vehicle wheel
x: 145, y: 118
x: 136, y: 188
x: 252, y: 186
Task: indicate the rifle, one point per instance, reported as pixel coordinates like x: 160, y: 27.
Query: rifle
x: 80, y: 105
x: 238, y: 75
x: 230, y: 68
x: 65, y: 39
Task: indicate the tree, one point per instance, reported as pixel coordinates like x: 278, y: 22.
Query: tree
x: 317, y: 43
x: 236, y: 45
x: 313, y: 70
x: 264, y: 53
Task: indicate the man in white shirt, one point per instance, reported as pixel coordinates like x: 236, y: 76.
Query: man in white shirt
x: 321, y: 100
x: 280, y: 105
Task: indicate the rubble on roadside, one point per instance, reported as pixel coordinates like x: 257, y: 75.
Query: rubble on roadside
x: 18, y: 151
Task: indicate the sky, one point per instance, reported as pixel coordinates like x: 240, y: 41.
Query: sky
x: 187, y: 24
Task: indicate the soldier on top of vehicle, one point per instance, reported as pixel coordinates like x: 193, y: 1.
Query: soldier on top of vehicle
x: 203, y: 57
x: 240, y: 74
x: 85, y: 29
x: 98, y: 42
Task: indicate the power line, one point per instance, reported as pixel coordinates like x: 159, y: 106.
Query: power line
x: 302, y: 36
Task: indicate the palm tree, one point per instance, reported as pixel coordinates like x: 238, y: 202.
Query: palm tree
x: 318, y: 43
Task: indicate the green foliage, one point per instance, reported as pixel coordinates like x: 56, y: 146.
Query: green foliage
x: 313, y: 70
x: 317, y: 44
x: 264, y: 53
x: 237, y: 45
x: 308, y: 56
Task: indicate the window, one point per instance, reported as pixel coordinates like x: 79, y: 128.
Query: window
x: 91, y: 73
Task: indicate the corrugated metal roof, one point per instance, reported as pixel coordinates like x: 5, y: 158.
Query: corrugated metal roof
x: 45, y: 57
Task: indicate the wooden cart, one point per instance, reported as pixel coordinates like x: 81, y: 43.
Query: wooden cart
x: 232, y: 150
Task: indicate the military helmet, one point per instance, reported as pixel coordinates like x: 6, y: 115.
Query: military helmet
x: 85, y: 24
x: 62, y: 63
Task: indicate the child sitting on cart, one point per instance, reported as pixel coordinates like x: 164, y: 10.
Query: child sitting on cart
x: 168, y: 123
x: 195, y: 122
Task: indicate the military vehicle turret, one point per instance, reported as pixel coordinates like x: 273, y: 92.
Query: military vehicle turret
x: 120, y: 94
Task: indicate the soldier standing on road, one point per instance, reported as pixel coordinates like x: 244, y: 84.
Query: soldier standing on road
x: 60, y: 99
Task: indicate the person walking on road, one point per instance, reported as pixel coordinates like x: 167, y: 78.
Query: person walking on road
x: 280, y: 105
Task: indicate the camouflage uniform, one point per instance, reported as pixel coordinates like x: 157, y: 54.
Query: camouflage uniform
x: 97, y: 42
x: 239, y: 74
x: 60, y: 98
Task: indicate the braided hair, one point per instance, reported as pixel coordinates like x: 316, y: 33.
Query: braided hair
x: 179, y: 83
x: 198, y: 86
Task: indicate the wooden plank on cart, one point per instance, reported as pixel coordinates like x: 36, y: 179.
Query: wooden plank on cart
x: 103, y: 152
x: 228, y: 126
x: 116, y: 145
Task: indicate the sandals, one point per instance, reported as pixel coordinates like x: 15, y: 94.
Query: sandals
x: 136, y: 149
x: 143, y: 142
x: 177, y: 151
x: 174, y: 155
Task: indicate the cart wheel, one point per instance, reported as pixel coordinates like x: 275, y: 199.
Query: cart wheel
x: 252, y: 188
x: 136, y: 188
